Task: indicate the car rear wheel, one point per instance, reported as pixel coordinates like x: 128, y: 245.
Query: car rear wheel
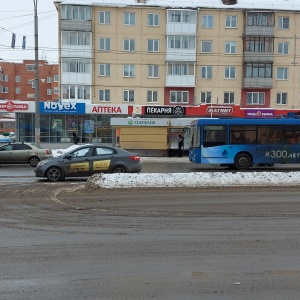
x: 33, y: 161
x: 119, y: 169
x: 54, y: 174
x: 242, y: 161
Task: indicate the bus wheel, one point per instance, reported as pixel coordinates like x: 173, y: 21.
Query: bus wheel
x: 242, y: 161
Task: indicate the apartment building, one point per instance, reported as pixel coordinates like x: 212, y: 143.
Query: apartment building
x: 17, y: 81
x: 162, y: 53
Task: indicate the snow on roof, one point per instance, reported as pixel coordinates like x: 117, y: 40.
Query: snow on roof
x: 292, y: 5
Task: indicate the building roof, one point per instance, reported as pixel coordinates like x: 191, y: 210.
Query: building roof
x: 284, y: 5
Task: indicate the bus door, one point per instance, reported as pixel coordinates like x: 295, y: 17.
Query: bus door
x: 215, y: 144
x: 195, y: 144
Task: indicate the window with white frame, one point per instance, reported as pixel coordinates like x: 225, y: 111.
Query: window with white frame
x: 282, y: 73
x: 179, y: 96
x: 129, y: 18
x: 56, y: 78
x: 104, y: 44
x: 18, y: 91
x: 76, y: 12
x: 104, y: 69
x: 182, y: 16
x: 231, y: 22
x: 4, y: 89
x: 49, y: 79
x: 30, y: 67
x: 152, y: 96
x: 128, y: 70
x: 153, y: 71
x: 207, y: 21
x: 181, y: 68
x: 281, y: 98
x: 5, y: 78
x: 205, y: 97
x: 181, y: 42
x: 128, y: 45
x: 76, y: 38
x: 230, y: 47
x: 153, y: 45
x: 229, y: 73
x: 254, y: 98
x: 49, y: 92
x: 153, y: 19
x: 228, y: 98
x: 104, y: 96
x: 18, y: 78
x: 206, y: 72
x: 283, y: 22
x: 206, y: 46
x: 72, y: 92
x: 56, y: 90
x: 128, y: 95
x: 104, y: 17
x: 76, y: 65
x: 283, y: 48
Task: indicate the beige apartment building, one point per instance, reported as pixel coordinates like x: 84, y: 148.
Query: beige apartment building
x: 140, y: 52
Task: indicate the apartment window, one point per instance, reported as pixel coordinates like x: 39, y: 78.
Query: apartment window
x: 231, y: 22
x: 104, y: 96
x: 230, y: 47
x: 259, y: 44
x: 4, y: 89
x: 283, y: 48
x: 206, y: 72
x: 129, y: 45
x: 182, y: 16
x: 73, y: 12
x: 229, y: 72
x: 281, y: 98
x: 56, y: 90
x: 104, y: 17
x: 128, y: 70
x: 258, y: 70
x: 76, y: 38
x: 205, y: 97
x: 283, y: 22
x: 56, y: 78
x: 104, y: 44
x: 260, y: 19
x: 176, y: 68
x: 153, y: 45
x: 207, y: 21
x: 153, y: 71
x: 152, y: 96
x: 49, y: 79
x: 255, y: 98
x: 49, y: 92
x: 76, y: 65
x: 179, y: 96
x: 129, y: 18
x: 128, y: 95
x: 30, y: 67
x: 228, y: 98
x: 18, y: 91
x: 5, y: 78
x: 282, y: 73
x: 153, y: 19
x: 18, y: 79
x: 104, y: 69
x: 206, y: 46
x: 80, y: 92
x: 181, y: 42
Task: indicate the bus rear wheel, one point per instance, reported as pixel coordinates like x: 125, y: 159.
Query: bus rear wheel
x: 242, y: 161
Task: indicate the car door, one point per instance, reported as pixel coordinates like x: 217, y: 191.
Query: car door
x: 104, y: 159
x: 79, y: 162
x: 21, y: 153
x: 6, y: 153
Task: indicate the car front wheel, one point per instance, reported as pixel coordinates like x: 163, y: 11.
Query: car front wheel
x: 119, y: 169
x: 242, y: 161
x: 54, y: 174
x: 33, y: 161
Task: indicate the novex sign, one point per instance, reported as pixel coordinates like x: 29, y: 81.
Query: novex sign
x: 62, y: 108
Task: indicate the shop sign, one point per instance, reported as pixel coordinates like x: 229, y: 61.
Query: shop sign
x: 62, y: 108
x: 165, y: 110
x: 260, y: 113
x: 107, y: 109
x: 139, y: 122
x: 89, y: 126
x: 11, y: 106
x: 219, y: 110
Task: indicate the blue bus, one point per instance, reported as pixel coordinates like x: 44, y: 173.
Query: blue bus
x: 242, y: 143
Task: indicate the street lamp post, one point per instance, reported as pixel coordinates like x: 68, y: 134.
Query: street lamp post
x: 37, y: 90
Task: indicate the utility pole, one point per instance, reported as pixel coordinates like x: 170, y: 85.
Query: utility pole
x: 37, y: 89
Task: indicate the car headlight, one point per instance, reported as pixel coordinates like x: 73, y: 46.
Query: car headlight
x: 42, y: 162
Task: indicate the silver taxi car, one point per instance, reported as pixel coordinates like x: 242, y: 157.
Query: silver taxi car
x: 87, y: 160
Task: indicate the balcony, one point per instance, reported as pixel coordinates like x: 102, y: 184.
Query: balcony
x: 75, y: 25
x: 258, y: 57
x: 181, y: 54
x: 258, y: 82
x: 260, y: 30
x: 181, y: 80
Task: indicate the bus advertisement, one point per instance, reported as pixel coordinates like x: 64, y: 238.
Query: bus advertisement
x: 242, y: 143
